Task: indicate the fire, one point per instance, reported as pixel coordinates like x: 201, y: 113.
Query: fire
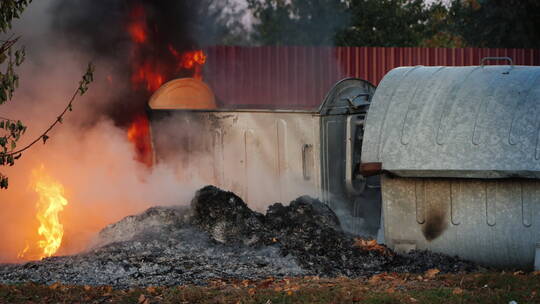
x: 147, y: 76
x: 152, y: 66
x: 139, y: 135
x: 192, y: 60
x: 50, y: 203
x: 137, y: 27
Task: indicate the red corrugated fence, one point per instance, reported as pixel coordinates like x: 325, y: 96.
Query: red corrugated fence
x: 299, y: 77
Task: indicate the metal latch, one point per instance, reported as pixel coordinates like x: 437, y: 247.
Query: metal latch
x: 370, y: 169
x: 354, y: 104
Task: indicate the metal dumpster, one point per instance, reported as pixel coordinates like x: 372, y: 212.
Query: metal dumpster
x: 459, y: 148
x: 272, y: 155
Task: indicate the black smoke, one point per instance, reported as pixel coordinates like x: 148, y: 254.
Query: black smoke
x: 99, y: 29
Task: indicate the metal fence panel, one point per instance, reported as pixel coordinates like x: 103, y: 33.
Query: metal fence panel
x: 295, y: 77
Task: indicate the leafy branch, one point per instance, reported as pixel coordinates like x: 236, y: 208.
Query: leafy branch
x: 15, y: 129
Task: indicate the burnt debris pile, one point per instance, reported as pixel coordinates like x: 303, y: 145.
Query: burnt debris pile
x: 309, y: 231
x: 219, y: 236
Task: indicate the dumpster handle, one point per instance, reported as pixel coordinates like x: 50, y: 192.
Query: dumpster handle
x: 305, y: 170
x: 497, y: 58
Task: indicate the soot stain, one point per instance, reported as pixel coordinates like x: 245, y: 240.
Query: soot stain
x: 435, y: 225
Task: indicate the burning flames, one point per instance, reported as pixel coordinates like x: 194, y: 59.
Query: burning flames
x: 139, y: 134
x: 146, y: 75
x: 150, y: 71
x: 137, y: 27
x: 50, y: 203
x: 193, y: 60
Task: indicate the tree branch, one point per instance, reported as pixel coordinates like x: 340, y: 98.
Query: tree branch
x: 87, y: 78
x: 44, y: 135
x: 7, y: 44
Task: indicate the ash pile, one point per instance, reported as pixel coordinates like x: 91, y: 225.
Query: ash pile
x: 220, y: 237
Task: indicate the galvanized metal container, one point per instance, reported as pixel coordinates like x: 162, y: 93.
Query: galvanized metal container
x: 268, y: 156
x: 461, y: 148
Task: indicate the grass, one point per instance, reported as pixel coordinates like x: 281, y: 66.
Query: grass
x: 489, y: 287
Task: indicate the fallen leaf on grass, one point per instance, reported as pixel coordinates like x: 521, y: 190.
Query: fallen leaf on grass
x: 372, y: 245
x: 106, y: 288
x: 375, y: 279
x: 457, y: 291
x: 266, y: 283
x: 251, y: 291
x: 87, y: 288
x: 54, y: 286
x: 143, y: 299
x: 431, y: 273
x: 381, y: 277
x: 518, y: 273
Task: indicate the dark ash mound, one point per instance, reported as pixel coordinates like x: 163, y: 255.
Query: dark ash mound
x: 311, y: 232
x: 220, y: 237
x: 167, y: 251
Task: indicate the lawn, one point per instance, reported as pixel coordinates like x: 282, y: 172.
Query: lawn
x: 430, y: 287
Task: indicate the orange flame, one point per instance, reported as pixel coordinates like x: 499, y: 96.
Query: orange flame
x: 149, y: 73
x: 50, y: 203
x: 146, y: 75
x: 137, y: 32
x: 139, y: 135
x: 190, y: 59
x: 137, y: 27
x: 193, y: 60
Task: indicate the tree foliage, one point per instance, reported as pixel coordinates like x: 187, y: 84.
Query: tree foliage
x: 387, y: 23
x: 297, y: 22
x: 403, y: 23
x: 11, y: 130
x: 496, y: 23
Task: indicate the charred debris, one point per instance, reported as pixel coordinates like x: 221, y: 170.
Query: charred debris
x: 220, y: 237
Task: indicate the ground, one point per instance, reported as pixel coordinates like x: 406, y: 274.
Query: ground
x: 429, y: 287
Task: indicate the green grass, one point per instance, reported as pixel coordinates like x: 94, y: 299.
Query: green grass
x: 388, y: 289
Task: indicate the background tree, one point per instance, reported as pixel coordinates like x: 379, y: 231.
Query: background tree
x: 386, y: 23
x: 11, y: 130
x: 496, y: 23
x: 297, y: 22
x: 401, y: 23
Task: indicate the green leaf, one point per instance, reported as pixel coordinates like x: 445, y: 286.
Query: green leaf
x: 3, y: 182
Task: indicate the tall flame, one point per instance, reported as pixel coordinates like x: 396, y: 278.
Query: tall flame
x: 137, y: 27
x: 50, y: 203
x: 153, y: 65
x: 139, y: 135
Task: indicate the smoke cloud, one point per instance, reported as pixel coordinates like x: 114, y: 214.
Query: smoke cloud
x: 89, y: 154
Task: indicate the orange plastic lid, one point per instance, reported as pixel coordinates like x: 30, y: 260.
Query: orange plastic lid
x: 183, y: 93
